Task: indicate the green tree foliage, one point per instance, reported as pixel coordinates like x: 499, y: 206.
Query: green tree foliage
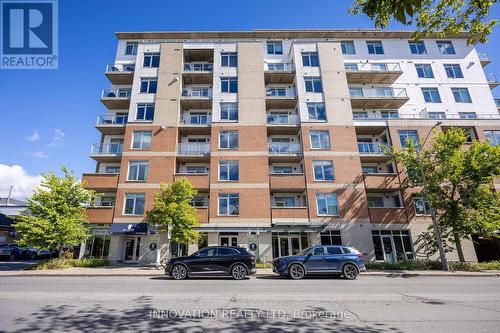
x: 432, y: 17
x: 459, y: 183
x: 172, y: 209
x: 56, y: 213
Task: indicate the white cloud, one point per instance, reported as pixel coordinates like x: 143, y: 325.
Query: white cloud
x: 38, y: 154
x: 22, y: 181
x: 35, y: 136
x: 57, y: 138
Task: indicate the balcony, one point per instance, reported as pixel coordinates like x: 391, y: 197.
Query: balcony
x: 193, y: 152
x: 197, y: 123
x: 101, y: 182
x: 106, y: 152
x: 373, y: 152
x: 497, y: 103
x: 388, y: 215
x: 373, y: 120
x: 379, y: 182
x: 291, y: 152
x: 376, y: 73
x: 279, y: 73
x: 377, y: 98
x: 197, y: 73
x: 199, y: 180
x: 278, y: 123
x: 280, y: 98
x: 287, y: 182
x: 196, y: 98
x: 100, y: 214
x: 289, y: 214
x: 116, y: 98
x: 120, y: 73
x: 484, y: 58
x: 111, y: 124
x: 202, y: 214
x: 492, y: 80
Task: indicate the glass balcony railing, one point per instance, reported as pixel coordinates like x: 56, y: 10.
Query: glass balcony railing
x: 280, y: 92
x: 497, y: 102
x: 436, y: 115
x: 284, y: 148
x: 195, y: 119
x: 372, y: 67
x: 380, y: 92
x: 107, y: 149
x: 194, y: 148
x: 112, y: 120
x: 120, y: 68
x: 491, y: 78
x: 116, y: 93
x: 372, y: 148
x: 483, y: 56
x: 279, y: 67
x: 282, y: 119
x: 198, y: 67
x: 197, y: 93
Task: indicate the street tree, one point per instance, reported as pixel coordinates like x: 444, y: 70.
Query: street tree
x: 458, y: 183
x: 55, y: 218
x: 432, y: 17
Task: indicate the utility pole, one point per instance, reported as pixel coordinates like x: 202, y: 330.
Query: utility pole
x: 435, y: 225
x: 8, y: 197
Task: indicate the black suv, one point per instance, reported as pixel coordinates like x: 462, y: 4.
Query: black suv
x: 213, y: 261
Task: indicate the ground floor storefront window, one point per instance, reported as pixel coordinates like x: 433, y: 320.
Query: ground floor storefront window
x: 285, y: 244
x: 392, y: 245
x: 178, y: 250
x: 331, y: 237
x: 97, y: 246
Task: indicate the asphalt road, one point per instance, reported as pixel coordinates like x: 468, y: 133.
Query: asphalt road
x: 369, y: 304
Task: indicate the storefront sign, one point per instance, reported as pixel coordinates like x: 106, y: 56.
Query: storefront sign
x: 153, y: 246
x: 252, y: 246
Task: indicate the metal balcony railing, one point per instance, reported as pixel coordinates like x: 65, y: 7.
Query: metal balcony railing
x: 483, y: 56
x: 108, y: 149
x: 284, y: 148
x: 197, y: 93
x: 372, y: 148
x: 112, y: 120
x: 192, y: 119
x: 491, y: 78
x: 120, y: 68
x: 285, y: 119
x: 198, y: 67
x: 380, y: 92
x: 428, y: 116
x: 279, y: 67
x: 194, y: 148
x: 372, y: 67
x: 116, y: 93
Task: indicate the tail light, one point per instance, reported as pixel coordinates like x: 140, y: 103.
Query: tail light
x: 360, y: 255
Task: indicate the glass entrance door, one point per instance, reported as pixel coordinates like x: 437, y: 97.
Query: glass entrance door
x: 388, y: 249
x: 287, y: 244
x: 132, y: 248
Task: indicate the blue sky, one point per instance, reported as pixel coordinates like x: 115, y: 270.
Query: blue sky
x: 48, y: 116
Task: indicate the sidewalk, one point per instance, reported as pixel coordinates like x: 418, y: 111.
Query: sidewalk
x: 151, y: 271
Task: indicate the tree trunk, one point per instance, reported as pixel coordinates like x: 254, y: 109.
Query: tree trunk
x: 458, y: 244
x: 60, y: 251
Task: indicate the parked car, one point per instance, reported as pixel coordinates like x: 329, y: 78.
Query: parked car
x: 213, y: 261
x: 22, y: 252
x: 5, y: 252
x: 321, y: 259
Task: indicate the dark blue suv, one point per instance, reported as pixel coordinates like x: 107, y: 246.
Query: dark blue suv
x: 321, y: 259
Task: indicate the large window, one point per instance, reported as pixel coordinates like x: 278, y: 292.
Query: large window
x: 421, y: 205
x: 310, y: 59
x: 424, y: 71
x: 327, y: 204
x: 229, y: 170
x: 331, y: 237
x: 229, y: 111
x: 112, y: 169
x: 461, y: 95
x: 145, y: 112
x: 467, y: 115
x: 134, y: 204
x: 141, y: 139
x: 151, y: 60
x: 198, y: 201
x: 431, y: 95
x: 375, y: 201
x: 493, y: 137
x: 392, y: 245
x: 316, y: 111
x: 347, y: 47
x: 375, y: 47
x: 228, y: 139
x: 313, y: 84
x: 323, y: 170
x: 229, y: 59
x: 453, y: 71
x: 148, y: 85
x: 229, y: 204
x: 137, y: 170
x: 320, y: 139
x: 131, y: 48
x: 229, y: 84
x: 274, y: 47
x: 406, y: 136
x: 284, y: 201
x: 445, y: 47
x: 417, y: 47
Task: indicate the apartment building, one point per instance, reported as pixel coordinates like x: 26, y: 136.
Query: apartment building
x: 282, y: 133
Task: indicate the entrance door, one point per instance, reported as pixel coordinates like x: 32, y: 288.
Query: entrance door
x: 132, y: 248
x: 295, y: 242
x: 229, y: 240
x: 390, y: 255
x: 284, y: 249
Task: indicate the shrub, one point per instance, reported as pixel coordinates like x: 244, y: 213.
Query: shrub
x: 68, y: 263
x: 475, y: 266
x: 263, y: 265
x: 407, y: 265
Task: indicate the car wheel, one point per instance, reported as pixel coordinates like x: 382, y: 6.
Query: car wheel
x: 32, y: 256
x: 178, y: 272
x: 238, y: 272
x: 350, y: 271
x: 296, y: 272
x: 12, y: 257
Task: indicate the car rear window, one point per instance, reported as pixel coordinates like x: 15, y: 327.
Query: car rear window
x: 226, y: 252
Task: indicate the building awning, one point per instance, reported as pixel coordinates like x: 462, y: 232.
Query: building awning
x: 132, y: 228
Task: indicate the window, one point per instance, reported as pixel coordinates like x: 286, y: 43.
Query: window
x: 229, y: 111
x: 284, y: 201
x: 390, y: 114
x: 331, y: 237
x: 229, y: 59
x: 431, y: 95
x: 375, y: 202
x: 310, y: 59
x: 467, y: 115
x: 331, y: 250
x: 196, y: 169
x: 112, y: 169
x: 421, y: 205
x: 461, y: 95
x: 347, y: 47
x: 229, y: 84
x: 145, y: 112
x: 323, y: 170
x: 360, y: 115
x: 226, y: 252
x: 131, y: 48
x: 327, y: 204
x: 274, y: 47
x: 375, y: 47
x: 228, y: 140
x: 493, y: 137
x: 453, y: 71
x: 137, y: 170
x: 313, y: 84
x: 408, y: 136
x: 353, y: 67
x: 417, y: 47
x: 436, y: 115
x: 392, y: 245
x: 316, y: 111
x: 141, y: 140
x: 198, y: 201
x: 229, y: 204
x: 148, y: 85
x: 134, y: 203
x: 210, y: 252
x: 320, y: 139
x: 107, y: 201
x: 282, y: 169
x: 368, y: 169
x: 355, y: 91
x: 445, y: 47
x: 424, y: 71
x: 151, y: 60
x: 229, y: 170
